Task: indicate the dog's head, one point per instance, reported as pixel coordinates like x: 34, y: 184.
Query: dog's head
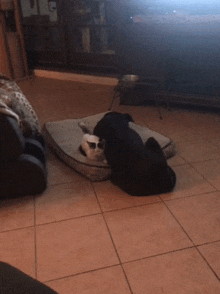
x: 117, y: 116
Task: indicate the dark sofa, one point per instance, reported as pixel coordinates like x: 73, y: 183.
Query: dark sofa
x: 14, y: 281
x: 22, y: 161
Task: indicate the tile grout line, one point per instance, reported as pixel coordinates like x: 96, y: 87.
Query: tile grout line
x: 109, y: 211
x: 35, y: 238
x: 62, y: 183
x: 17, y: 229
x: 133, y: 206
x: 120, y: 262
x: 110, y: 235
x: 68, y: 219
x: 195, y: 246
x: 159, y: 254
x: 178, y: 222
x: 81, y: 273
x: 203, y: 257
x: 130, y: 261
x: 188, y: 196
x: 198, y: 161
x: 191, y: 165
x: 207, y: 243
x: 203, y: 175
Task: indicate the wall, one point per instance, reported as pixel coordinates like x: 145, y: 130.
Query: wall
x: 4, y: 61
x: 12, y: 52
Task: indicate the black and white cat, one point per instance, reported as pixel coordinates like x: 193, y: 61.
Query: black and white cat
x: 91, y: 145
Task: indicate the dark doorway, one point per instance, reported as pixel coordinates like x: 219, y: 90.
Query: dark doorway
x: 70, y: 34
x: 175, y: 46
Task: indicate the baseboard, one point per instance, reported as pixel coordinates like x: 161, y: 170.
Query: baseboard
x: 76, y: 77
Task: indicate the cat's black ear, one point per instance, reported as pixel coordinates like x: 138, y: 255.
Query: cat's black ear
x: 101, y: 144
x: 91, y: 145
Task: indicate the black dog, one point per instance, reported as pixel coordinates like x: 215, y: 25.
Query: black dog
x: 138, y: 169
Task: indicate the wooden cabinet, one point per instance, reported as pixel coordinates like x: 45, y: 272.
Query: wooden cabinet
x: 13, y: 62
x: 70, y: 34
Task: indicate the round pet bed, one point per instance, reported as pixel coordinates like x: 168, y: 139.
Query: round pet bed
x: 65, y: 136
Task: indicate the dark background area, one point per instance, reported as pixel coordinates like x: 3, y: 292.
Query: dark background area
x: 174, y: 46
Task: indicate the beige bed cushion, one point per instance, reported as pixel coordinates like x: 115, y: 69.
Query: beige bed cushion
x: 64, y: 137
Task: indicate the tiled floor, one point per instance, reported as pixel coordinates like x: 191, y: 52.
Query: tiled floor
x: 91, y: 238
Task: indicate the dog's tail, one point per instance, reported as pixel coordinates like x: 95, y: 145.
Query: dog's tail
x: 154, y: 146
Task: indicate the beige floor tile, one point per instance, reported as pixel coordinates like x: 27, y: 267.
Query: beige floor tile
x: 142, y: 115
x: 211, y: 253
x: 207, y: 131
x: 183, y: 272
x: 199, y: 216
x: 196, y: 119
x: 145, y: 231
x: 183, y: 135
x: 57, y: 100
x: 167, y: 128
x: 198, y: 150
x: 189, y: 182
x: 16, y: 213
x: 210, y: 170
x: 74, y: 246
x: 176, y: 160
x: 59, y: 172
x: 18, y: 249
x: 111, y: 197
x: 65, y: 201
x: 200, y: 123
x: 109, y: 281
x: 174, y: 130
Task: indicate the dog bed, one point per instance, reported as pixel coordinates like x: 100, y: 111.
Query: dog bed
x: 65, y: 136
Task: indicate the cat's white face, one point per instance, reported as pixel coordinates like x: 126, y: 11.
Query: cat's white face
x: 93, y: 147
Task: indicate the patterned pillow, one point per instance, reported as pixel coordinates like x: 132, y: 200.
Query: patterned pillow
x: 14, y: 103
